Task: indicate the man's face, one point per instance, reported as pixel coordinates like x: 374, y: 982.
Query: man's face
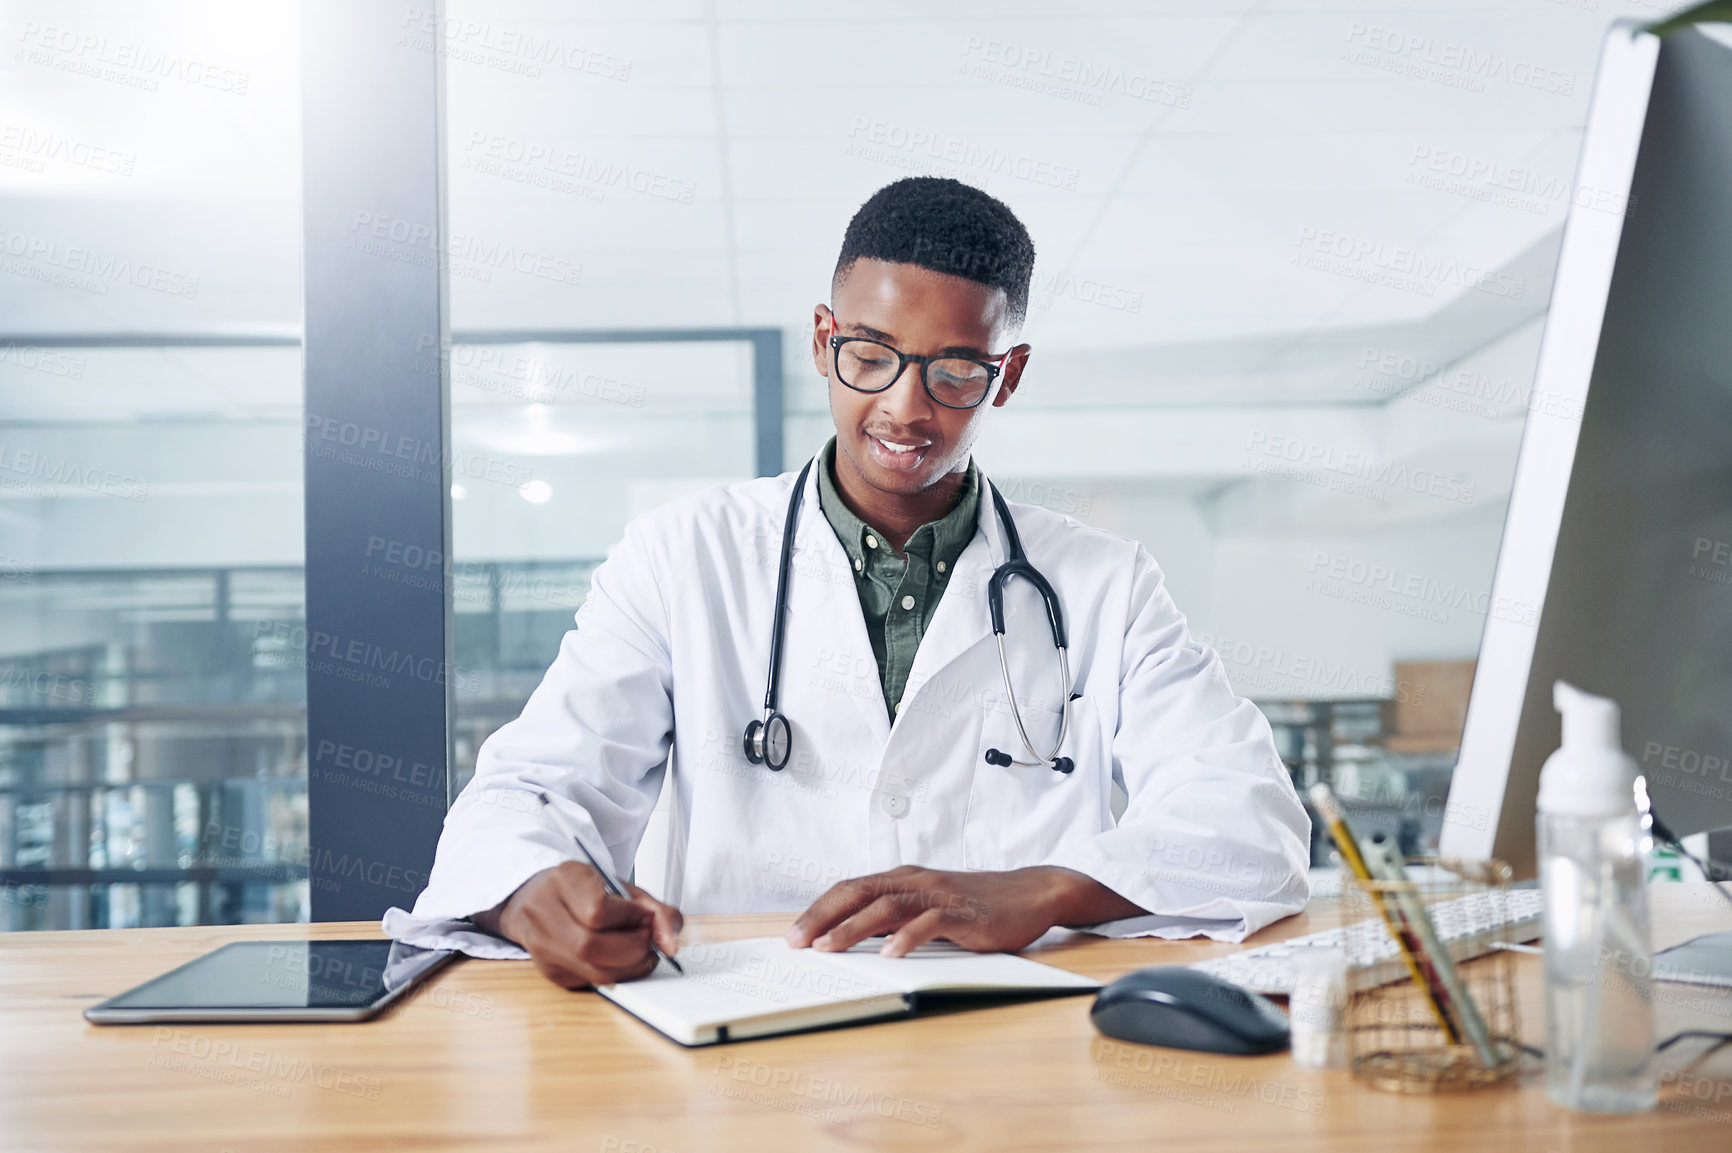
x: 901, y: 441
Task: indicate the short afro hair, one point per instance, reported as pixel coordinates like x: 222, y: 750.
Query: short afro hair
x: 946, y: 226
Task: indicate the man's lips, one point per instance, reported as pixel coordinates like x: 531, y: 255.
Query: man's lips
x: 898, y: 455
x: 901, y: 444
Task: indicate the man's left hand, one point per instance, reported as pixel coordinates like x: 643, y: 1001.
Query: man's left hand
x: 983, y: 911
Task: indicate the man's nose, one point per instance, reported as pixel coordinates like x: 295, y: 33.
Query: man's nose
x: 906, y: 401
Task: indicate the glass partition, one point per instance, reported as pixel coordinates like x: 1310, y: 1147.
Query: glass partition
x: 556, y: 445
x: 152, y: 728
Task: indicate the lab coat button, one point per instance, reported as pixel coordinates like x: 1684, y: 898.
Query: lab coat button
x: 895, y: 804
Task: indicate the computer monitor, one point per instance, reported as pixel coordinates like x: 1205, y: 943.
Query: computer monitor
x: 1615, y: 571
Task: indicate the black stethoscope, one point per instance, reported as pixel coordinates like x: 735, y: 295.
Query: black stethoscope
x: 770, y: 741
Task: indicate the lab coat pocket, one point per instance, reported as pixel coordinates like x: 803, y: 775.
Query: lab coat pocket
x: 1019, y: 814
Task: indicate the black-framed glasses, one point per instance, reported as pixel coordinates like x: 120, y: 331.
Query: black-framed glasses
x: 867, y: 365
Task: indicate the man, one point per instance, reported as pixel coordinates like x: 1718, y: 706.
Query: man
x: 898, y: 785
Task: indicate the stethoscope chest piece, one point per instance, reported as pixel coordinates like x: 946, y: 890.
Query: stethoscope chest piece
x: 769, y: 741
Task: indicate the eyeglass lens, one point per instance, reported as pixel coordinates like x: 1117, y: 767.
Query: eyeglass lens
x: 871, y: 367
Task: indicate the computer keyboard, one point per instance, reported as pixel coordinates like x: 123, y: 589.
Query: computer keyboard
x: 1468, y: 926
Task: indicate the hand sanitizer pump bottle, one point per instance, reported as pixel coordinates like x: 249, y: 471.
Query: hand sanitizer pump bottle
x: 1592, y: 844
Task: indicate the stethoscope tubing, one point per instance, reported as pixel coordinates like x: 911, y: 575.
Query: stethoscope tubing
x: 1015, y: 565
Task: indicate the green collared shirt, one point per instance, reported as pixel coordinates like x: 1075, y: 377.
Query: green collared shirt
x: 898, y: 594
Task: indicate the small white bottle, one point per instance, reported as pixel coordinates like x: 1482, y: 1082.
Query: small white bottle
x: 1316, y: 1008
x: 1592, y: 850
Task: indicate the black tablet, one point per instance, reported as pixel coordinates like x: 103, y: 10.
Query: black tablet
x: 277, y: 981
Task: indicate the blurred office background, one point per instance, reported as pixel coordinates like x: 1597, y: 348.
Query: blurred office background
x: 1293, y: 265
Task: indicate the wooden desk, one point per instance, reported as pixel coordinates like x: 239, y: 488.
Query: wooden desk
x: 490, y: 1055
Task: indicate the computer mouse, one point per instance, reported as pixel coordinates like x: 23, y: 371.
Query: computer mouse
x: 1181, y: 1008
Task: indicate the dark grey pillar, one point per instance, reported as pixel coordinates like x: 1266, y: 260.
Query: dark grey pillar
x: 378, y: 631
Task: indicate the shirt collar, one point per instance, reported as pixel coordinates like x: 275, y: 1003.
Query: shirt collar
x: 949, y: 534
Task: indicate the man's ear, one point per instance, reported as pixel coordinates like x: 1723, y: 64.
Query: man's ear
x: 823, y: 324
x: 1013, y: 366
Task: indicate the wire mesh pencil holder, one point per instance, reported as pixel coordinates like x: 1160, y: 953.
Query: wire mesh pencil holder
x: 1399, y: 1036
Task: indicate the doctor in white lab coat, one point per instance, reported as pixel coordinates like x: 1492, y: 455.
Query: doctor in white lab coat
x: 888, y: 819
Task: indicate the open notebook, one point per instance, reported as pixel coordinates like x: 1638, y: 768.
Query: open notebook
x: 760, y: 987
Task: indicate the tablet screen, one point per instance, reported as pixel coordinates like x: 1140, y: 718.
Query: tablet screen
x: 286, y: 975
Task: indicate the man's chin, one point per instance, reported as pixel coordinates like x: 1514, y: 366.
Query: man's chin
x: 897, y: 482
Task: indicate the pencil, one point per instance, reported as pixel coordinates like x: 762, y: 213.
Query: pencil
x: 1335, y: 820
x: 1385, y: 864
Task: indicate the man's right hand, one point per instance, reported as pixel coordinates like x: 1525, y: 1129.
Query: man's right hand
x: 580, y: 934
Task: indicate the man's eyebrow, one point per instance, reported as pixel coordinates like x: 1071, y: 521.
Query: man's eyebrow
x: 875, y: 334
x: 948, y: 350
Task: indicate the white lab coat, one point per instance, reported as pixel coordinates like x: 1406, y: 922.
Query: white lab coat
x: 654, y: 687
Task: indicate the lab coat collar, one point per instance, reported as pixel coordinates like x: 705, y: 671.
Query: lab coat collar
x: 961, y: 620
x: 821, y: 588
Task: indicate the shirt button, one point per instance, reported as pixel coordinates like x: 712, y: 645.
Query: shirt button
x: 941, y: 566
x: 895, y: 804
x: 871, y: 541
x: 859, y: 564
x: 907, y: 602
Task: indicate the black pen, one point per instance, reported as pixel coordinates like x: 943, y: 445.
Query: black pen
x: 612, y: 885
